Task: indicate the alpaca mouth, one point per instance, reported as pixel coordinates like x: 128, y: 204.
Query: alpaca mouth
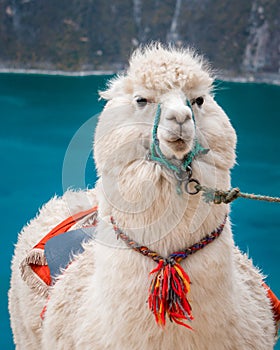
x: 177, y: 140
x: 177, y: 143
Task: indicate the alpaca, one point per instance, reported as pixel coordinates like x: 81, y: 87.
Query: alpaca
x: 100, y: 300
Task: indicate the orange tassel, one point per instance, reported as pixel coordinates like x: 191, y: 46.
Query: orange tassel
x: 168, y: 294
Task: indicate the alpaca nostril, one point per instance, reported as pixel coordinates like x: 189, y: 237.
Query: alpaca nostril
x: 180, y: 118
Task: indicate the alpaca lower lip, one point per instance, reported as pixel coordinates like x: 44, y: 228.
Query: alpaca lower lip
x: 178, y: 141
x: 178, y: 144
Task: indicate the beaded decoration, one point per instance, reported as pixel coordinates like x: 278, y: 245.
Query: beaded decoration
x: 170, y: 284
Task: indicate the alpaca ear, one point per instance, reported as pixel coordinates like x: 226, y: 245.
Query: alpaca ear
x: 118, y: 86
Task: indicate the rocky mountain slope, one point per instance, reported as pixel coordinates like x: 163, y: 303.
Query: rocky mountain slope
x: 238, y: 37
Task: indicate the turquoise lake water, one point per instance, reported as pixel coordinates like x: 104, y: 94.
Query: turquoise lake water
x: 41, y: 114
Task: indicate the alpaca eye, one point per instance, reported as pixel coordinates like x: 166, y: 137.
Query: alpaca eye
x: 141, y: 101
x: 199, y: 101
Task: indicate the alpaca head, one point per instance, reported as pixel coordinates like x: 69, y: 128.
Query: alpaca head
x: 180, y: 82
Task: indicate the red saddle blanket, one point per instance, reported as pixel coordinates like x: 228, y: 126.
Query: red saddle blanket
x: 54, y: 252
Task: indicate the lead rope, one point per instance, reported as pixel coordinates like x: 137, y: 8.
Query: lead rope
x: 219, y: 196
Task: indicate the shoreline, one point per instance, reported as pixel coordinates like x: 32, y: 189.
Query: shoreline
x: 250, y: 77
x: 56, y: 72
x: 260, y: 78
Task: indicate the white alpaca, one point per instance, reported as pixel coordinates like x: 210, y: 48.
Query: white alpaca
x: 100, y: 301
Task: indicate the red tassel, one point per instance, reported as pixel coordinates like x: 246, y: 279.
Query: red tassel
x: 168, y: 294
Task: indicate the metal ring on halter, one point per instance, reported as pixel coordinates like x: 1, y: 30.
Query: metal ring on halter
x: 182, y: 179
x: 188, y: 175
x: 196, y: 190
x: 189, y: 170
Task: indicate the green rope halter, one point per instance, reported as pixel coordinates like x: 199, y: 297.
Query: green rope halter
x: 183, y: 172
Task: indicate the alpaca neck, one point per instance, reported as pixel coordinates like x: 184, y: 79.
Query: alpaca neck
x: 148, y: 209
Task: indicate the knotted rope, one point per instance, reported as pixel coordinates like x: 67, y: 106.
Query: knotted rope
x: 170, y: 283
x: 219, y: 196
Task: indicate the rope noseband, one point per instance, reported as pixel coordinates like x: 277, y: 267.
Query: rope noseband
x: 183, y: 172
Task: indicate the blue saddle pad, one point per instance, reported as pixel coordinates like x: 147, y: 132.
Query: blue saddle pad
x: 60, y: 250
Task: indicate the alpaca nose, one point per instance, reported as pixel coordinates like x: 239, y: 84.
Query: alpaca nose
x: 180, y: 117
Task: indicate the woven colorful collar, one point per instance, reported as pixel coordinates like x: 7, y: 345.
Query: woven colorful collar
x: 170, y: 283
